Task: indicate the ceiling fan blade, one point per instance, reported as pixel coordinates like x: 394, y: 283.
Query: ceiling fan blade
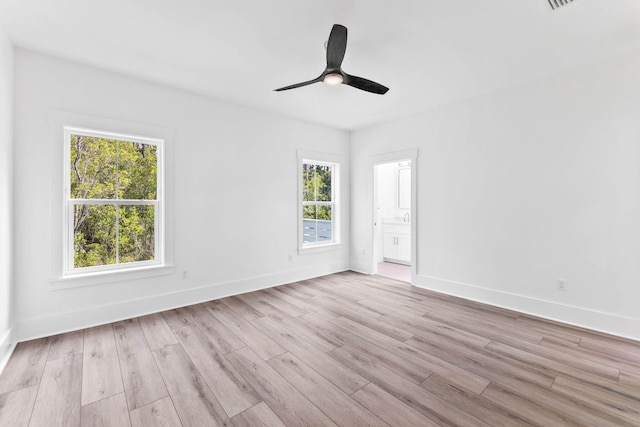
x: 336, y: 47
x: 319, y: 79
x: 364, y: 84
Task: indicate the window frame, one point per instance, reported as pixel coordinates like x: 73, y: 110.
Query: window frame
x: 325, y: 160
x: 68, y: 252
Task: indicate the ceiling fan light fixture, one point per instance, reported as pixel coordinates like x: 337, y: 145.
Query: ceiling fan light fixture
x: 333, y: 74
x: 333, y: 79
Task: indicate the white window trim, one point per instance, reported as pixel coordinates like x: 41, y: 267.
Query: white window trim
x: 68, y: 254
x: 336, y: 162
x: 61, y: 277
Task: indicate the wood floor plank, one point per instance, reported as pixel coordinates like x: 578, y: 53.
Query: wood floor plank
x: 413, y: 370
x: 257, y: 416
x: 549, y: 331
x: 176, y: 318
x: 285, y: 400
x: 557, y: 368
x: 390, y: 409
x: 378, y: 324
x: 559, y: 402
x: 466, y: 378
x: 275, y: 300
x: 231, y: 390
x: 193, y: 400
x: 428, y: 404
x: 391, y: 287
x: 482, y: 324
x: 267, y: 309
x: 471, y: 403
x: 26, y: 365
x: 100, y: 366
x: 385, y: 293
x: 16, y: 406
x: 448, y: 301
x: 594, y: 356
x: 224, y: 339
x: 248, y: 298
x: 346, y: 289
x: 630, y: 379
x: 64, y: 345
x: 621, y: 407
x: 343, y: 410
x: 335, y: 289
x: 568, y: 359
x: 242, y: 308
x: 160, y: 413
x: 344, y: 378
x: 303, y: 301
x: 533, y: 412
x: 502, y: 370
x: 622, y: 349
x: 249, y: 334
x: 610, y: 345
x: 302, y: 287
x: 345, y: 308
x: 142, y: 381
x: 58, y: 401
x: 430, y: 329
x: 157, y: 331
x: 393, y: 309
x: 308, y: 332
x: 109, y: 412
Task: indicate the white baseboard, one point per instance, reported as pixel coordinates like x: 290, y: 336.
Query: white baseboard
x: 7, y: 345
x: 33, y: 328
x: 360, y: 267
x: 626, y: 327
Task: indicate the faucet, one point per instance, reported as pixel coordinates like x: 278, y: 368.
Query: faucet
x: 407, y: 217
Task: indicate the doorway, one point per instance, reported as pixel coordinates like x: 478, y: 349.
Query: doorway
x: 393, y: 219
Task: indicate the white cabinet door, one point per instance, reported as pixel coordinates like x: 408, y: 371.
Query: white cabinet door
x: 403, y: 247
x: 397, y: 242
x: 390, y: 250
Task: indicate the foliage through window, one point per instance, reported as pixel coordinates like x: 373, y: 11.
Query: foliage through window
x: 318, y: 202
x: 113, y: 208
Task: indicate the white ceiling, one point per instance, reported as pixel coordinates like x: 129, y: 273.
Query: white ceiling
x: 429, y: 52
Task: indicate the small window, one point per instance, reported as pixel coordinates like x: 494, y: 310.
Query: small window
x: 113, y: 201
x: 318, y: 203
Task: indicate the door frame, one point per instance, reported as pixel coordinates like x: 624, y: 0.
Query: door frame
x: 396, y: 156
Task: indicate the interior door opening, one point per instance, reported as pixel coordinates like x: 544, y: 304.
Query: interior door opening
x: 393, y: 218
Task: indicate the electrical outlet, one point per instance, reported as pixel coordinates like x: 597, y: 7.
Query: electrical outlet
x: 184, y: 274
x: 290, y: 257
x: 562, y: 285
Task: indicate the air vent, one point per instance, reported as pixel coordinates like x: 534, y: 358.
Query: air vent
x: 557, y: 3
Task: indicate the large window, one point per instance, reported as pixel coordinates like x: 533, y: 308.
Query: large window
x: 318, y: 203
x: 113, y: 201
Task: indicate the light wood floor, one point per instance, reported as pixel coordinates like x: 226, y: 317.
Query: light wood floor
x: 344, y: 349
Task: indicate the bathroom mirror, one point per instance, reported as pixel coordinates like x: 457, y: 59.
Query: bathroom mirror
x: 404, y: 188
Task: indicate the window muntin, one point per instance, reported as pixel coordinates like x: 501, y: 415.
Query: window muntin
x: 318, y: 203
x: 113, y: 201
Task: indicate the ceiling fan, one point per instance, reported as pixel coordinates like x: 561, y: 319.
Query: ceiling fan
x: 333, y: 74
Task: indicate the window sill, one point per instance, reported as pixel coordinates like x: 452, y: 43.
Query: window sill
x: 98, y: 278
x: 320, y: 248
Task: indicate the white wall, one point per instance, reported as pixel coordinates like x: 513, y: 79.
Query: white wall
x: 6, y: 195
x: 523, y: 186
x: 234, y: 185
